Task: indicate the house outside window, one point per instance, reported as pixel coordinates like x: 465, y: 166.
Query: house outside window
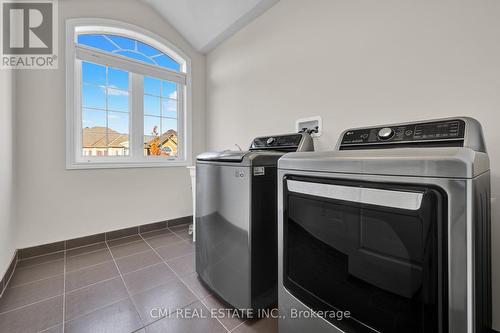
x: 128, y: 97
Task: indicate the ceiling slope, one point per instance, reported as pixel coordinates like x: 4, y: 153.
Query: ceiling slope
x: 207, y: 23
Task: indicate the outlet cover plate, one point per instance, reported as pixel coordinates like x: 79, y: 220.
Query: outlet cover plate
x: 310, y: 122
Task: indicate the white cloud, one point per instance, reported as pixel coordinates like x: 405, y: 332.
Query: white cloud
x: 116, y: 92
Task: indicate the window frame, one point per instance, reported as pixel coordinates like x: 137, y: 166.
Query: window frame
x: 75, y: 54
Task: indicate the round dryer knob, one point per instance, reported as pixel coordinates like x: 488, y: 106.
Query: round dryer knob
x: 270, y: 141
x: 385, y: 133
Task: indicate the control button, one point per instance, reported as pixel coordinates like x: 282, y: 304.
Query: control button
x: 408, y: 132
x: 385, y: 133
x: 270, y: 141
x: 364, y: 136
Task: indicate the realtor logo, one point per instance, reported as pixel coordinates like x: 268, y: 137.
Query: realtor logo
x: 29, y: 34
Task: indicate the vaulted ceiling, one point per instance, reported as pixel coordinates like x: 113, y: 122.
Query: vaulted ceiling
x: 207, y: 23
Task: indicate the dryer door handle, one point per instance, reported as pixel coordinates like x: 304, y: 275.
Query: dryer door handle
x: 364, y: 195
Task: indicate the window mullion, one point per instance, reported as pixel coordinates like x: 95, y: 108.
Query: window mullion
x: 107, y: 111
x: 78, y: 112
x: 180, y: 123
x: 137, y: 116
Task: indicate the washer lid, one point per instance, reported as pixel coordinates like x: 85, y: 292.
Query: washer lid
x: 420, y: 162
x: 223, y: 156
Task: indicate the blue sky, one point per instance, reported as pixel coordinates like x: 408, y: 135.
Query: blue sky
x: 105, y: 96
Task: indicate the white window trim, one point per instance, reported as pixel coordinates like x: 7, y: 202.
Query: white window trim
x: 73, y: 78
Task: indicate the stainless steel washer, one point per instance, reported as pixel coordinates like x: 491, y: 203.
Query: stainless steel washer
x: 236, y: 222
x: 388, y: 233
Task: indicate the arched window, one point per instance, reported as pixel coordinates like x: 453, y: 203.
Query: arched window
x: 128, y: 95
x: 130, y: 48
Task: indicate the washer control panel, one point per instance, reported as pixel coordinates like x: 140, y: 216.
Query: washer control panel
x: 438, y: 133
x: 289, y: 141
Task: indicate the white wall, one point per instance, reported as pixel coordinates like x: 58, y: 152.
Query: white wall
x: 359, y: 63
x: 7, y: 247
x: 55, y: 203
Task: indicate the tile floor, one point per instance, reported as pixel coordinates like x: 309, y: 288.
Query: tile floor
x: 113, y: 287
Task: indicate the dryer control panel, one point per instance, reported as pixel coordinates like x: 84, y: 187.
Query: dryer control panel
x: 445, y: 133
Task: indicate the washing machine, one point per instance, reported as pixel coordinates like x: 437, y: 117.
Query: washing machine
x: 390, y: 232
x: 236, y: 220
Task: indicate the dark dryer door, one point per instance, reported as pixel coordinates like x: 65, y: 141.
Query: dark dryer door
x: 374, y: 250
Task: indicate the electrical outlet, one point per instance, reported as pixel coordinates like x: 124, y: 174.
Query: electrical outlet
x: 310, y: 123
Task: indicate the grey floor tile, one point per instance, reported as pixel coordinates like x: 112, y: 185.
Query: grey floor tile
x: 182, y: 231
x: 88, y: 259
x: 129, y: 249
x: 40, y: 260
x: 119, y: 317
x: 148, y: 278
x: 86, y: 249
x: 175, y: 250
x: 90, y: 275
x: 156, y: 233
x: 124, y: 240
x: 29, y: 274
x: 195, y: 318
x: 54, y: 329
x: 137, y: 261
x: 225, y: 312
x: 88, y: 299
x: 266, y: 325
x: 183, y: 265
x: 193, y: 282
x: 163, y: 240
x: 33, y: 318
x: 171, y: 296
x: 30, y: 293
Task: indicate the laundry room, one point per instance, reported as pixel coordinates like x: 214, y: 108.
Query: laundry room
x: 249, y: 166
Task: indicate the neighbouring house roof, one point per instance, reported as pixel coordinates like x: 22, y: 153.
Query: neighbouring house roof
x: 168, y: 135
x: 95, y: 137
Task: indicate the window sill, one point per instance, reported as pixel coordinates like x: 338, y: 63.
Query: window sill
x: 125, y: 165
